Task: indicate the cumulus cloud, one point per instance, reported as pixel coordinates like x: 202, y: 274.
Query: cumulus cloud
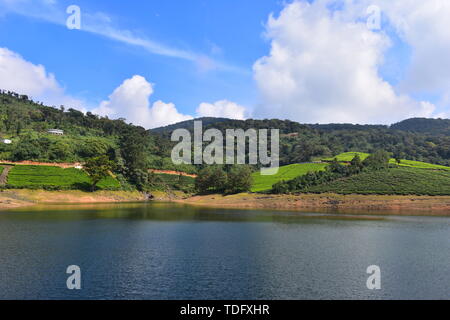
x: 24, y: 77
x: 163, y: 114
x: 424, y: 26
x: 323, y: 67
x: 222, y: 109
x: 131, y: 100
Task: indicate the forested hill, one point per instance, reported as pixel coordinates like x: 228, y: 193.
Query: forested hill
x: 417, y: 125
x: 423, y: 125
x: 26, y: 122
x: 414, y: 139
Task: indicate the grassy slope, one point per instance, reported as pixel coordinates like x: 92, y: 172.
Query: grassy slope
x: 55, y: 177
x: 395, y: 181
x: 264, y: 183
x: 348, y: 156
x: 420, y: 165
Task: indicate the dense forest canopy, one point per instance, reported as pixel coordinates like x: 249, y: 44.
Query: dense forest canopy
x: 423, y: 125
x: 413, y: 139
x: 26, y: 122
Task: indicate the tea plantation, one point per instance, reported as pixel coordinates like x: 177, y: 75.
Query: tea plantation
x: 393, y: 181
x: 54, y: 178
x: 265, y: 183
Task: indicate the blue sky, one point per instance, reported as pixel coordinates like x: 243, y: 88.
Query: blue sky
x: 230, y: 57
x: 91, y: 66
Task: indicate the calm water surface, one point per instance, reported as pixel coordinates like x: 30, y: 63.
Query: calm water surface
x: 164, y: 251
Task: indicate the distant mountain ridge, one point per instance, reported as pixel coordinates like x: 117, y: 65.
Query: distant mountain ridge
x: 426, y: 140
x: 189, y: 124
x: 424, y: 125
x: 86, y: 135
x: 418, y: 125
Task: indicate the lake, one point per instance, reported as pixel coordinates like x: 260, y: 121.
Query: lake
x: 167, y: 251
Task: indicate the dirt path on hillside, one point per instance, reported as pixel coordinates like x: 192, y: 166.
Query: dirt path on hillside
x: 4, y: 175
x: 47, y: 164
x: 174, y: 173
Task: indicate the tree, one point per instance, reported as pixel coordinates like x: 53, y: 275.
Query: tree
x: 336, y: 167
x: 28, y: 148
x: 59, y: 151
x: 134, y: 145
x: 93, y: 147
x: 378, y: 160
x: 239, y: 179
x: 98, y: 168
x: 211, y: 179
x: 356, y: 165
x: 281, y: 187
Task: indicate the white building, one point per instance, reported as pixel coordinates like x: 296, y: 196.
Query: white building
x: 57, y: 132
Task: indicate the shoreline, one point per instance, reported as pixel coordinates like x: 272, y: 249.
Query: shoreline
x: 320, y: 203
x: 13, y: 199
x: 329, y: 203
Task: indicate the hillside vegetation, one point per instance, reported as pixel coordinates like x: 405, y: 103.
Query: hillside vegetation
x: 423, y: 125
x: 54, y: 178
x: 348, y: 156
x: 301, y: 143
x: 419, y: 165
x: 165, y: 182
x: 393, y: 181
x: 134, y: 150
x: 265, y: 183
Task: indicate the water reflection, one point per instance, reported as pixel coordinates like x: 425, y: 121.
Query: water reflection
x: 167, y: 251
x: 164, y: 211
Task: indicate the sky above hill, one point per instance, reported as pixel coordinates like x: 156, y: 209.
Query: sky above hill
x: 163, y: 61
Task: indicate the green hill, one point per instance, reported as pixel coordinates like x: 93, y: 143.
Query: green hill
x: 54, y: 178
x: 300, y: 143
x: 348, y: 156
x: 423, y: 125
x: 27, y: 122
x: 420, y: 165
x: 135, y: 149
x: 286, y: 173
x: 265, y: 183
x: 393, y: 181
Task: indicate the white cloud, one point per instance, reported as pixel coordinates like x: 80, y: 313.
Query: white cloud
x: 222, y: 109
x: 101, y: 24
x: 24, y: 77
x: 323, y: 67
x: 131, y: 101
x: 163, y: 114
x: 423, y: 25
